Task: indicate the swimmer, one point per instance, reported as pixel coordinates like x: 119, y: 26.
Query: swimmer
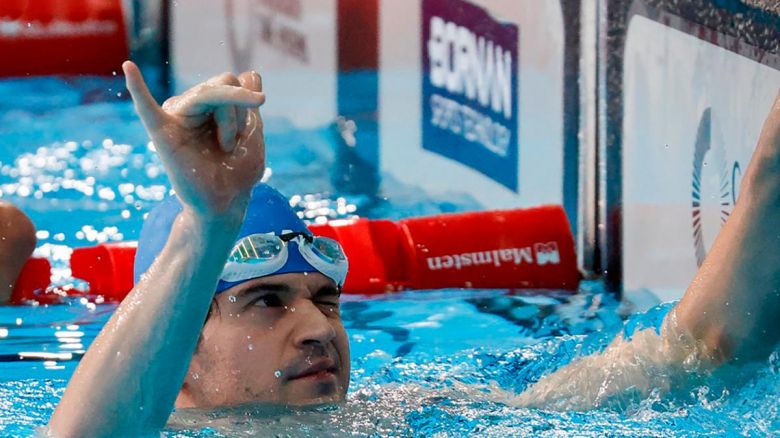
x: 272, y: 332
x: 17, y: 242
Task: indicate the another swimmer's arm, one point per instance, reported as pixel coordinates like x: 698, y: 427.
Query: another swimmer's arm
x: 731, y: 306
x: 17, y: 242
x: 728, y: 314
x: 210, y: 140
x: 624, y: 369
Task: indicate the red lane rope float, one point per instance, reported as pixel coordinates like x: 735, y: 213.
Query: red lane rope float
x: 508, y: 249
x: 44, y: 37
x: 34, y: 280
x: 108, y: 268
x: 524, y: 248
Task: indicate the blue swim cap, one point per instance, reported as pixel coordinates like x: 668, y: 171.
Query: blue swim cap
x: 268, y: 212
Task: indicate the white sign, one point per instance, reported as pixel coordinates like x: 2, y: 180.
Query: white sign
x: 693, y: 113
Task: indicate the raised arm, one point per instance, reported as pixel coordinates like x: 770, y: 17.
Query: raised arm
x: 211, y: 143
x: 728, y: 313
x: 733, y: 303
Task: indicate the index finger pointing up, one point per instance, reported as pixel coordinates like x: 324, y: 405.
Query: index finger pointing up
x: 147, y: 108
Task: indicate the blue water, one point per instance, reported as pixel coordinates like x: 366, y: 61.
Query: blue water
x: 74, y: 157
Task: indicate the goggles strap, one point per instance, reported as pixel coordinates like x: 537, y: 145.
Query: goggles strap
x: 294, y: 235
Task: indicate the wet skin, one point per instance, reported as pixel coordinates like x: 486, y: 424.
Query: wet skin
x: 277, y: 339
x: 17, y: 242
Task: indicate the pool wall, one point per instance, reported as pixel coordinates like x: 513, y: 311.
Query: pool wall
x: 500, y: 128
x: 638, y: 116
x: 683, y: 91
x: 293, y: 44
x: 299, y: 42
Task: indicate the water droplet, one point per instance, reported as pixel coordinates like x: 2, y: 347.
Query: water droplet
x: 250, y: 347
x: 195, y: 376
x: 292, y: 309
x: 232, y: 298
x: 278, y: 374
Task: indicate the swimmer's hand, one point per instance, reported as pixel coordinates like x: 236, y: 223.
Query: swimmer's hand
x: 210, y: 138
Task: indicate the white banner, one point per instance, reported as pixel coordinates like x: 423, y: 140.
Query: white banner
x: 692, y: 116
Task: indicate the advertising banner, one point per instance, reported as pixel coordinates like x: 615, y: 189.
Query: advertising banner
x: 473, y: 102
x: 469, y: 88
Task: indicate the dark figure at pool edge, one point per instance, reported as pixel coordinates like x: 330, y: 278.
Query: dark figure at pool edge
x: 17, y: 242
x: 211, y: 143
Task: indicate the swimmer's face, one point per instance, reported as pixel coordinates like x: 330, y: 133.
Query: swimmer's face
x: 277, y: 339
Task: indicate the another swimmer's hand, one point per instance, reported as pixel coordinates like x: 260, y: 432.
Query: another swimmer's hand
x: 210, y: 138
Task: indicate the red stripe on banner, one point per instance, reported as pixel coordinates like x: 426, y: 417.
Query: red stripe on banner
x: 43, y: 37
x: 358, y: 34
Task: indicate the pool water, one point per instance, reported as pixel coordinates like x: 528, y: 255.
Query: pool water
x: 74, y: 156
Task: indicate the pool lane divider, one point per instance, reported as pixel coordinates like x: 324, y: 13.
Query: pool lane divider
x: 529, y: 248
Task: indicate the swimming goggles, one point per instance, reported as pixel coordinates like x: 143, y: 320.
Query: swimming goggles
x: 258, y: 255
